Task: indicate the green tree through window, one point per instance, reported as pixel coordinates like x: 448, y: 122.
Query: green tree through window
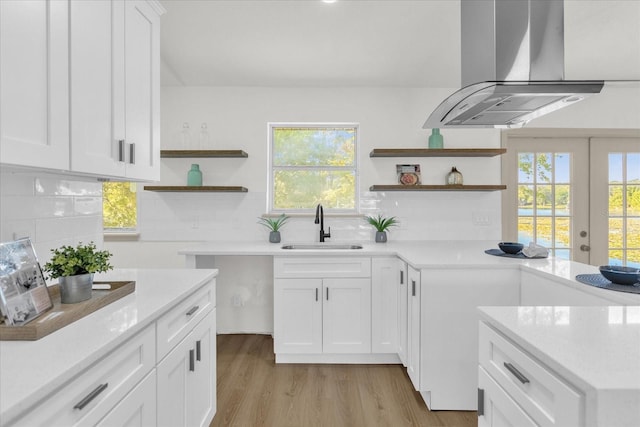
x: 119, y: 206
x: 313, y: 164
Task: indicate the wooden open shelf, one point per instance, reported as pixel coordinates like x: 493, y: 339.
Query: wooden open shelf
x: 437, y: 152
x: 202, y: 189
x: 203, y: 153
x: 398, y: 187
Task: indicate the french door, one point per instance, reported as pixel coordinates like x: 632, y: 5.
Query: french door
x: 579, y: 196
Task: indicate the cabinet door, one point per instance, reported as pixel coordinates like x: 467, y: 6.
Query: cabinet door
x: 201, y: 394
x: 297, y: 315
x: 96, y: 33
x: 137, y: 409
x: 499, y: 410
x: 403, y: 287
x: 142, y: 95
x: 34, y: 106
x: 346, y: 313
x: 413, y: 326
x: 384, y: 305
x: 185, y: 384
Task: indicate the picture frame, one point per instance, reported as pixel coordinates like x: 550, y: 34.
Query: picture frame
x: 408, y: 174
x: 23, y: 290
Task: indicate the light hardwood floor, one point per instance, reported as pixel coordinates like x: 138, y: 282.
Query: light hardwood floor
x: 254, y: 391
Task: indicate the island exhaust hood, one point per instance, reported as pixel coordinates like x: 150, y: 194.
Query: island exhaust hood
x: 512, y: 66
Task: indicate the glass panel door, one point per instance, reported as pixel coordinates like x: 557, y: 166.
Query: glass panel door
x: 551, y: 190
x: 616, y: 201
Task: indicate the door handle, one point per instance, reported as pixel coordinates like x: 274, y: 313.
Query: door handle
x: 401, y: 277
x: 89, y: 397
x: 413, y: 288
x: 132, y: 153
x: 192, y: 363
x: 327, y: 294
x: 316, y: 294
x: 585, y: 248
x: 121, y: 150
x: 198, y: 351
x: 193, y: 310
x: 516, y: 373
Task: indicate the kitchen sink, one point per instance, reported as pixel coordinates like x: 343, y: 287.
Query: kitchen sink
x: 323, y: 246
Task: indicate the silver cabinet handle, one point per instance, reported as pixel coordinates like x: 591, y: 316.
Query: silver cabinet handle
x: 327, y: 294
x: 192, y: 363
x: 198, y: 345
x: 480, y: 402
x: 316, y: 294
x: 516, y: 373
x: 401, y: 277
x: 121, y: 150
x: 193, y: 310
x: 413, y: 288
x: 89, y: 397
x: 132, y: 153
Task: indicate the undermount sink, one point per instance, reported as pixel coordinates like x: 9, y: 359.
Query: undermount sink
x: 323, y: 246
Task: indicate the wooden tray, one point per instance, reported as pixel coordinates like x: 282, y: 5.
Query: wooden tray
x: 61, y: 315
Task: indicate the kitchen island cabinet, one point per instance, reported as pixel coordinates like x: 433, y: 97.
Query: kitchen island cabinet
x: 558, y: 366
x: 104, y: 367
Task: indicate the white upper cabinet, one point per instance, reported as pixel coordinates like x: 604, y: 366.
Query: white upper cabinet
x: 80, y: 84
x: 34, y: 105
x: 114, y: 70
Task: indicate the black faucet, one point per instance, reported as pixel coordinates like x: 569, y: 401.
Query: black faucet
x: 320, y: 220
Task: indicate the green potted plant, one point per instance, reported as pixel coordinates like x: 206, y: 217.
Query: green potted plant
x: 74, y: 269
x: 274, y: 225
x: 381, y: 224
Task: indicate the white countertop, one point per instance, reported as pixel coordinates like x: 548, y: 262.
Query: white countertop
x: 429, y: 255
x: 31, y: 370
x: 597, y: 349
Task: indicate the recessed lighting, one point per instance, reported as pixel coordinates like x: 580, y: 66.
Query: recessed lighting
x: 329, y: 1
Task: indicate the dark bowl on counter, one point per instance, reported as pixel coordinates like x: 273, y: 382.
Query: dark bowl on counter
x: 620, y: 275
x: 510, y: 247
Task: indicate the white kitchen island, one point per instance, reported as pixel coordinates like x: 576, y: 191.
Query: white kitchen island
x: 574, y: 366
x: 121, y: 350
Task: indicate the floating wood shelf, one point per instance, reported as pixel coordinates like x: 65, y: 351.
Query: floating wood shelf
x: 203, y: 189
x: 437, y: 152
x: 202, y: 153
x: 398, y: 187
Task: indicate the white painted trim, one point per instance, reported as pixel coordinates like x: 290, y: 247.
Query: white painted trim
x: 370, y: 359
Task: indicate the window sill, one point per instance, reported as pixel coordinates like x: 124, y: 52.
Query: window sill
x: 121, y: 236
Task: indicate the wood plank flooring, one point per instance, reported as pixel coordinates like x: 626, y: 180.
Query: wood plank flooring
x: 254, y: 391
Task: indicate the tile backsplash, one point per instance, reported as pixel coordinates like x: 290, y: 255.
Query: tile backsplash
x: 52, y: 210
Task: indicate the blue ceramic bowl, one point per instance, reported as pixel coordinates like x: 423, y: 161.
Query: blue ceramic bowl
x: 510, y: 247
x: 621, y: 275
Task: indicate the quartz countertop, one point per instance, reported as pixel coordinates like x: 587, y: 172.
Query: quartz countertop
x: 32, y: 370
x: 597, y: 349
x: 467, y: 254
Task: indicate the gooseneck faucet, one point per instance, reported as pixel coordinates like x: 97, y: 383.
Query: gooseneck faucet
x: 320, y: 220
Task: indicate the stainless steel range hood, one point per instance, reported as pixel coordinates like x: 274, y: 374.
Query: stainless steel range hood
x: 512, y: 66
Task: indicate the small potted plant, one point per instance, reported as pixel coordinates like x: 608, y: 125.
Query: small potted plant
x: 274, y: 225
x: 74, y: 269
x: 381, y: 224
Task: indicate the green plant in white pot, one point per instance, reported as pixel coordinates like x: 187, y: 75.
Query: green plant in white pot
x: 74, y: 269
x: 381, y: 224
x: 274, y: 225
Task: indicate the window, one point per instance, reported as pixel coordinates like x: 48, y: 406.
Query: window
x: 119, y: 206
x: 313, y: 164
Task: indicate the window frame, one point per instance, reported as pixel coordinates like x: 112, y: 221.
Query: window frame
x: 313, y: 125
x: 122, y: 233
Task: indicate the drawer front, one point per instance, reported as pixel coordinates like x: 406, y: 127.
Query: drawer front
x: 498, y: 409
x: 547, y: 399
x: 180, y: 320
x: 292, y: 267
x: 94, y: 392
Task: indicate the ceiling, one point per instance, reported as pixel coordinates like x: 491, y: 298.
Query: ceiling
x: 401, y: 43
x: 311, y: 43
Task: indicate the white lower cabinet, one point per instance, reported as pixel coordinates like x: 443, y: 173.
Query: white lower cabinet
x: 385, y: 291
x: 322, y: 306
x: 514, y: 389
x: 186, y: 379
x: 329, y: 315
x: 413, y: 326
x: 137, y: 409
x: 403, y: 299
